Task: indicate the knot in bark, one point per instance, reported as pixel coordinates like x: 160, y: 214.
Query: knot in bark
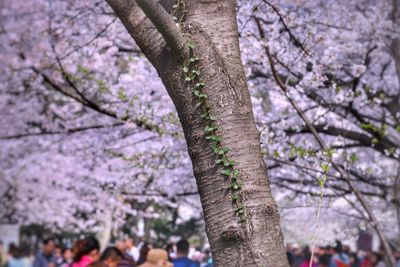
x: 232, y: 233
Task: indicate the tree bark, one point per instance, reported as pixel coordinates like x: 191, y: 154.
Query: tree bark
x: 212, y: 25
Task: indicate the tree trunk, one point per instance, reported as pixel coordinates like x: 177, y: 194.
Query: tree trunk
x: 212, y: 26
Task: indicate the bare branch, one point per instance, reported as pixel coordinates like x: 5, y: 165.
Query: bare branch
x: 345, y: 176
x: 68, y: 131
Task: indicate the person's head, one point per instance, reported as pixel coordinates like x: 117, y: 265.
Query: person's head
x: 48, y: 246
x: 169, y: 247
x: 67, y: 254
x: 354, y: 259
x: 97, y: 264
x: 120, y: 245
x: 111, y: 257
x: 338, y: 247
x: 158, y: 257
x: 130, y: 243
x: 330, y: 250
x: 182, y: 248
x: 346, y: 249
x: 144, y: 250
x: 307, y: 254
x: 88, y: 246
x: 376, y: 257
x: 16, y: 252
x: 323, y: 260
x: 58, y: 251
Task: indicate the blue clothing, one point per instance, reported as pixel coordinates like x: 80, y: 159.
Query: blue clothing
x: 42, y: 260
x: 184, y: 262
x: 342, y: 258
x: 17, y: 262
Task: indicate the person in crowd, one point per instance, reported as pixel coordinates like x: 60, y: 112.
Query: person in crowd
x: 157, y: 258
x: 170, y: 250
x: 111, y: 257
x: 324, y: 259
x: 59, y: 255
x: 182, y: 252
x: 354, y: 260
x: 15, y: 258
x: 340, y: 258
x: 27, y: 253
x: 298, y: 257
x: 46, y: 257
x: 86, y: 251
x: 289, y: 254
x: 67, y: 258
x: 307, y: 258
x: 144, y: 250
x: 3, y: 254
x: 207, y: 260
x: 126, y: 259
x: 397, y: 256
x: 132, y: 249
x: 19, y: 257
x: 369, y: 260
x: 379, y: 262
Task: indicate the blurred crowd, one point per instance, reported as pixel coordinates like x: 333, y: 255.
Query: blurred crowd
x: 336, y: 256
x: 123, y: 253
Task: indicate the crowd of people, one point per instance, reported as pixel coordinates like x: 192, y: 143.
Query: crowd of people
x: 336, y: 256
x: 123, y: 253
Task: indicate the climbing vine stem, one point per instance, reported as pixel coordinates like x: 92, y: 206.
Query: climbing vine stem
x: 192, y: 76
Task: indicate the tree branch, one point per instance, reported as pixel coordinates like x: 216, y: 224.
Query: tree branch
x: 68, y: 131
x: 164, y: 24
x: 346, y: 177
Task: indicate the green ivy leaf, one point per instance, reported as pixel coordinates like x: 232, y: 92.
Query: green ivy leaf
x: 210, y: 129
x: 325, y: 167
x: 199, y: 85
x: 203, y: 95
x: 353, y: 157
x: 204, y: 115
x: 226, y: 172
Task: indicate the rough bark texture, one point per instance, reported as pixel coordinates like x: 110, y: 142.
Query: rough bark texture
x: 212, y: 24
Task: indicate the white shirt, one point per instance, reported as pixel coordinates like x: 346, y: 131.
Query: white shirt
x: 134, y: 252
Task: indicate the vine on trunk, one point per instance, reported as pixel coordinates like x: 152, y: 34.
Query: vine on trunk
x: 192, y: 75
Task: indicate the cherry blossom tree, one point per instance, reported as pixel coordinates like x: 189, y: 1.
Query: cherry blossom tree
x: 90, y: 125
